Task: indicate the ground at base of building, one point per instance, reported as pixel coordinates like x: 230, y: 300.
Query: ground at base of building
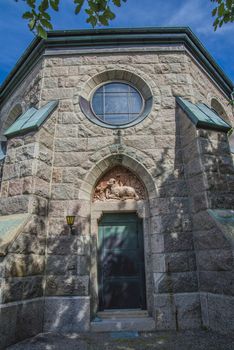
x: 171, y: 340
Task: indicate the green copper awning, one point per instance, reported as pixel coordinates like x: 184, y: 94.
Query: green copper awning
x: 202, y: 116
x: 31, y: 120
x: 224, y: 218
x: 10, y: 227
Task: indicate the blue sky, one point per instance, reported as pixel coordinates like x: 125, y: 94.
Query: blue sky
x: 15, y: 36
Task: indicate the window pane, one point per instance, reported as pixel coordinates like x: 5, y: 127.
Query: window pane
x: 117, y: 103
x: 116, y: 87
x: 116, y: 119
x: 135, y: 103
x: 98, y: 103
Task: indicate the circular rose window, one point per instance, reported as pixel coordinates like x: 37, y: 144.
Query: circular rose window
x: 117, y: 103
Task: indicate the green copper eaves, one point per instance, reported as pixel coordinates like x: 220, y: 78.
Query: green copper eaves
x: 120, y: 37
x: 202, y: 116
x: 31, y: 120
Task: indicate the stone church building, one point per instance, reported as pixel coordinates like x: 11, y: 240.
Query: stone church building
x: 126, y: 130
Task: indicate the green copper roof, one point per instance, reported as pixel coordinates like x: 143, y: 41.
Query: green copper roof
x: 202, y: 116
x: 224, y: 218
x: 114, y: 37
x: 31, y: 120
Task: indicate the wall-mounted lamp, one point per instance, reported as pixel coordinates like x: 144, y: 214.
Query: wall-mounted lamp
x: 70, y: 221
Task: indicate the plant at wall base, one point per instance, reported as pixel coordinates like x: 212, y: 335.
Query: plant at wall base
x: 99, y: 12
x: 223, y: 12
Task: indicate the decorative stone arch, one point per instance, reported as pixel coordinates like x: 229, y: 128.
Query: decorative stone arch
x: 141, y: 207
x: 219, y: 109
x: 108, y: 76
x: 101, y: 167
x: 15, y: 112
x: 120, y: 75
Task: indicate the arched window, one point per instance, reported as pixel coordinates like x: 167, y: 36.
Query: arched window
x: 12, y: 116
x: 216, y: 105
x: 218, y: 108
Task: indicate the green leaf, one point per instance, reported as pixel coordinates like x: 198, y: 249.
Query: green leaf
x: 31, y: 3
x: 227, y: 17
x: 27, y: 15
x: 41, y: 32
x: 214, y: 11
x: 79, y: 6
x: 221, y: 10
x: 216, y: 22
x: 32, y: 23
x: 117, y: 2
x: 89, y: 12
x: 229, y: 3
x: 220, y: 23
x: 108, y: 14
x: 43, y: 6
x: 46, y: 24
x: 103, y: 20
x: 92, y: 20
x: 46, y: 16
x: 54, y: 4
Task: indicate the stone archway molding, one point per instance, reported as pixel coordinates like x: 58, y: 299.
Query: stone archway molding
x: 141, y: 207
x: 117, y: 75
x: 14, y: 113
x: 93, y: 176
x: 113, y: 75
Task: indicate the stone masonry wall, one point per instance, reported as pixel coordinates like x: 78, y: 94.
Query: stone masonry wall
x: 154, y: 143
x: 203, y: 89
x: 27, y: 94
x: 25, y: 189
x: 45, y: 172
x: 209, y: 172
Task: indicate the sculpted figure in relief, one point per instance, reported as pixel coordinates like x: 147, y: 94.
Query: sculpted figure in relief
x: 119, y: 183
x: 116, y: 190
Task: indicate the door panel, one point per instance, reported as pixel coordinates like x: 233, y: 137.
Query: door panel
x: 121, y: 262
x: 121, y: 294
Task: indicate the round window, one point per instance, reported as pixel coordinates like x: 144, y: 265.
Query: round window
x: 117, y: 103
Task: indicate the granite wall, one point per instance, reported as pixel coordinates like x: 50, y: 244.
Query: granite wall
x: 53, y: 172
x: 25, y: 188
x: 209, y: 174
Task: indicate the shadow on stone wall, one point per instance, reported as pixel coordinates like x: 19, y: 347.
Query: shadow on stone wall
x: 189, y: 253
x: 67, y: 277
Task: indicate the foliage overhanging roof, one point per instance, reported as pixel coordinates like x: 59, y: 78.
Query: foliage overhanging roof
x: 94, y: 38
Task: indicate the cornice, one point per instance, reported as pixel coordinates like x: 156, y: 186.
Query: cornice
x: 120, y: 38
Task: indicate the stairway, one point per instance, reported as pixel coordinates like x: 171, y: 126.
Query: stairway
x: 122, y: 320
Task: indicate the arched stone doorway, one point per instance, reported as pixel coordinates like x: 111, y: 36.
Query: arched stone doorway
x: 126, y: 210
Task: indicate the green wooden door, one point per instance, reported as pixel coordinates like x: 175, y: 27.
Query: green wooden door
x: 121, y: 271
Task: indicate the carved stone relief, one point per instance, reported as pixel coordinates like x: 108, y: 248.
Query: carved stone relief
x: 119, y: 183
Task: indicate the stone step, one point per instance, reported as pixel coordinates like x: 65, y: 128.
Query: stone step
x: 115, y: 314
x: 123, y: 324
